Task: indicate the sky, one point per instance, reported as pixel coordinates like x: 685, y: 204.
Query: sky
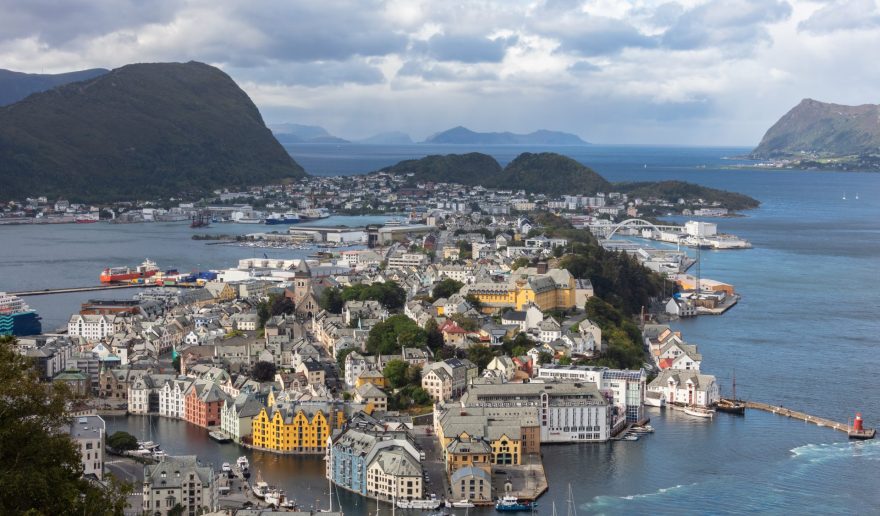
x: 688, y: 72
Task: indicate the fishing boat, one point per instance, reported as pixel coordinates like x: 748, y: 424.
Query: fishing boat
x: 259, y: 488
x: 699, y: 412
x: 733, y: 405
x: 243, y: 463
x: 275, y: 497
x: 513, y: 504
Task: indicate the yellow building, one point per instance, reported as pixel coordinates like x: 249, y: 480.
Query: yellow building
x: 371, y: 376
x: 460, y: 430
x: 549, y: 289
x: 296, y: 427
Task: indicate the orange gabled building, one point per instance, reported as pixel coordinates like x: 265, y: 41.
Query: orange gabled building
x: 203, y: 402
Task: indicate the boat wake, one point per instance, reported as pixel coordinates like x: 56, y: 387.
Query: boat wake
x: 605, y: 501
x: 825, y: 452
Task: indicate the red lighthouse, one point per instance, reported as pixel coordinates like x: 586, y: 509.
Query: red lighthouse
x: 857, y: 423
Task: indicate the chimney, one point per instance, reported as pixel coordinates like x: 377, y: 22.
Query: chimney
x: 542, y: 267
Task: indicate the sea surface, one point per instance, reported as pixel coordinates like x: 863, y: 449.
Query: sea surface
x: 803, y: 336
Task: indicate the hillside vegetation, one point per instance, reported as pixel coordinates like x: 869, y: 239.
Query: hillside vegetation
x: 820, y: 128
x: 139, y: 131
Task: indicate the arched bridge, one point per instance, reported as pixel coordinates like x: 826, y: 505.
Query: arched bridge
x: 641, y: 223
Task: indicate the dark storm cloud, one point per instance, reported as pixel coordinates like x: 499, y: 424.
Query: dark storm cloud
x: 56, y: 22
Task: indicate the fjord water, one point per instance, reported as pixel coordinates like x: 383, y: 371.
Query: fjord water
x: 803, y: 336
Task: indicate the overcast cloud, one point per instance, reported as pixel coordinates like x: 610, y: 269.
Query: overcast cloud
x: 673, y: 72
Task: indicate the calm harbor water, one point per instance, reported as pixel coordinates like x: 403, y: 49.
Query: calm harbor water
x: 803, y: 336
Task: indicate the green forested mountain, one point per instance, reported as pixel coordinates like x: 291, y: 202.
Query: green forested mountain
x: 139, y: 131
x: 552, y: 174
x: 546, y: 172
x: 821, y: 128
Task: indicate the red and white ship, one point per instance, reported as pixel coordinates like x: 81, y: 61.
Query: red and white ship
x: 116, y: 274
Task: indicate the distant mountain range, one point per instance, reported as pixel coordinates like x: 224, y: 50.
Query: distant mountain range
x: 15, y: 86
x: 822, y: 129
x: 462, y: 135
x: 296, y: 133
x: 140, y: 131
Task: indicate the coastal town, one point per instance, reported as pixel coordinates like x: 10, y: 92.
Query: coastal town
x: 426, y: 360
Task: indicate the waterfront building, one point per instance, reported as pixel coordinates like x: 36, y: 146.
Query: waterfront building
x: 202, y: 403
x: 237, y: 415
x: 171, y: 398
x: 567, y: 412
x: 179, y: 481
x: 682, y: 387
x: 395, y: 474
x: 626, y: 388
x: 471, y: 483
x: 508, y: 432
x: 296, y: 427
x: 144, y: 393
x: 352, y: 453
x: 678, y: 355
x: 89, y: 434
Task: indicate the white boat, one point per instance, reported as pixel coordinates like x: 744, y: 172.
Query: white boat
x: 427, y: 504
x: 226, y: 467
x: 274, y: 497
x: 463, y: 504
x: 243, y: 463
x: 259, y: 488
x: 630, y: 437
x: 699, y: 412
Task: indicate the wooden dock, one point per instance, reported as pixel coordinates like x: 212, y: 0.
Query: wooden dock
x: 868, y: 433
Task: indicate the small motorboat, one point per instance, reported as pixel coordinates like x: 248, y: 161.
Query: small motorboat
x: 699, y: 412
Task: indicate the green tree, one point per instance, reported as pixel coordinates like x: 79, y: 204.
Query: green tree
x: 263, y: 371
x: 544, y: 358
x: 414, y: 375
x: 395, y: 332
x: 175, y: 363
x: 446, y: 288
x: 395, y: 372
x: 520, y: 262
x: 434, y: 337
x: 40, y: 469
x: 566, y: 360
x: 331, y: 300
x: 465, y: 250
x: 340, y: 359
x: 122, y: 441
x: 481, y: 355
x: 389, y: 293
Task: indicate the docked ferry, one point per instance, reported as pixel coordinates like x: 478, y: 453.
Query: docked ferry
x: 17, y: 318
x: 282, y: 218
x: 117, y: 274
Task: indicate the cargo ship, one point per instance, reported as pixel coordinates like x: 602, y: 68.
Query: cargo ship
x: 282, y: 218
x: 17, y: 318
x: 119, y: 274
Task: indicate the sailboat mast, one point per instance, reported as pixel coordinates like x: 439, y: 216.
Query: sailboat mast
x: 734, y: 385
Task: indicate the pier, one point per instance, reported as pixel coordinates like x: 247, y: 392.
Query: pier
x: 867, y: 433
x: 69, y: 290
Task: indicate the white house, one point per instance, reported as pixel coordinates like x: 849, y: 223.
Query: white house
x: 686, y: 387
x: 92, y: 327
x: 171, y: 398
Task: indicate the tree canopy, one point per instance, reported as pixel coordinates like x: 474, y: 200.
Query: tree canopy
x: 263, y: 371
x: 445, y: 288
x: 390, y: 335
x: 389, y: 293
x: 40, y: 469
